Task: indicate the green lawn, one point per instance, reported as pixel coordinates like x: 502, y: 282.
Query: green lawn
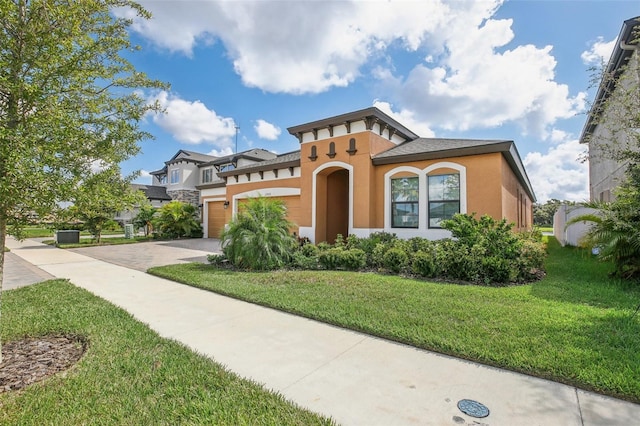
x: 36, y: 232
x: 574, y: 326
x: 88, y: 242
x: 39, y: 232
x: 129, y: 375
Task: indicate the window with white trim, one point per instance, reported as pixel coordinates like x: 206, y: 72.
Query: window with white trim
x: 207, y: 175
x: 444, y: 198
x: 404, y: 202
x: 175, y: 176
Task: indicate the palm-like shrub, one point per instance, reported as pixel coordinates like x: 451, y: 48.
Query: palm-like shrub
x: 178, y: 219
x: 616, y: 230
x: 258, y: 237
x: 144, y: 218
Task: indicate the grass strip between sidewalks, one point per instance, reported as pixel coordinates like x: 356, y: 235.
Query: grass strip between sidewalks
x: 37, y: 232
x: 111, y: 241
x: 575, y: 326
x: 129, y: 375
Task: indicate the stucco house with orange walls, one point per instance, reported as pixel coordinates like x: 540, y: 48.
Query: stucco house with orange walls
x: 364, y: 172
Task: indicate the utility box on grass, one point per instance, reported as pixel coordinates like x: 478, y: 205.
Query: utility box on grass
x: 128, y: 231
x: 68, y: 237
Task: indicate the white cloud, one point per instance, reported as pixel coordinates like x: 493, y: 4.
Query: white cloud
x: 221, y: 153
x: 144, y: 178
x: 192, y: 122
x: 407, y: 118
x: 294, y: 46
x: 470, y: 74
x: 98, y: 166
x: 478, y: 83
x: 559, y: 173
x: 599, y: 52
x: 266, y: 130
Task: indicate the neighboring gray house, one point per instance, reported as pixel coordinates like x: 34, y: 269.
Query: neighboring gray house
x: 605, y: 125
x: 181, y: 174
x: 209, y: 170
x: 157, y: 196
x: 188, y: 172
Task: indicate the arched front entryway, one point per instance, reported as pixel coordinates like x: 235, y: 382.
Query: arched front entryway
x: 332, y: 204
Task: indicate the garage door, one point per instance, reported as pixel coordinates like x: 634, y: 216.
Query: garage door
x: 216, y: 217
x: 293, y: 209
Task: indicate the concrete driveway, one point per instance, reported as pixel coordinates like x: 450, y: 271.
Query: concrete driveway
x: 143, y: 256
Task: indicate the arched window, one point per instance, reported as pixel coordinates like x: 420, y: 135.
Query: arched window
x: 405, y: 201
x: 444, y: 197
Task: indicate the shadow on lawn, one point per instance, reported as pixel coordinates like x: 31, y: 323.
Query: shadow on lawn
x: 575, y: 276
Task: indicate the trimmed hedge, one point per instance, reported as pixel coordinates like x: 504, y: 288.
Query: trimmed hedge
x: 482, y: 251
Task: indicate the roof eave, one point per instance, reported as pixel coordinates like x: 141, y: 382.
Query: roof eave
x: 352, y: 117
x: 445, y: 153
x: 259, y: 168
x: 221, y: 184
x: 617, y: 60
x: 507, y: 149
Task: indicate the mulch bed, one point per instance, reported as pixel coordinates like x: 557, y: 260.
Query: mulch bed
x: 33, y: 359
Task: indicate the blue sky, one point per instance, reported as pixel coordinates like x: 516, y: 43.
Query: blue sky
x: 515, y: 70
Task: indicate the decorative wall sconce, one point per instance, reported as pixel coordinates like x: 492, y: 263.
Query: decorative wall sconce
x: 226, y: 204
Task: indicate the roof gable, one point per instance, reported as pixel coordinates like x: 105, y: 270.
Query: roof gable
x: 190, y: 156
x: 369, y: 115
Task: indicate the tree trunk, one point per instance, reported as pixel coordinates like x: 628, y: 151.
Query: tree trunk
x: 3, y: 239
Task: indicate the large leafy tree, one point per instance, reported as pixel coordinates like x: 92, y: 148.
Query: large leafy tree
x: 69, y: 99
x: 543, y: 213
x: 100, y: 196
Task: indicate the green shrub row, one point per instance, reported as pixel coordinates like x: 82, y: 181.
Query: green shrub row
x: 483, y: 251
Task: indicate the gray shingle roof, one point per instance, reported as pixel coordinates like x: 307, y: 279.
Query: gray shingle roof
x: 256, y: 154
x: 193, y: 156
x: 431, y: 148
x: 153, y: 192
x: 290, y: 159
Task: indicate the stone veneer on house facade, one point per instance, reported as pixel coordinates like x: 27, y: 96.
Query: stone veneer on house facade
x: 186, y: 196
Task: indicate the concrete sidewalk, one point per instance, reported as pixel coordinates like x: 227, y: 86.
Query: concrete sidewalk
x: 352, y: 377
